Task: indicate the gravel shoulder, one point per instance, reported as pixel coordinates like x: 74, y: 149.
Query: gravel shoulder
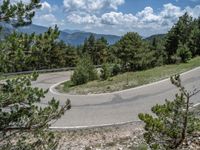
x: 121, y: 137
x: 129, y: 136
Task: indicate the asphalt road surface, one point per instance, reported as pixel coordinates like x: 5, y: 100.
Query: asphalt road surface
x: 112, y: 108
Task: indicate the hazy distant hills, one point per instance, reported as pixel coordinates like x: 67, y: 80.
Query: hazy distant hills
x: 72, y: 37
x: 71, y: 31
x: 150, y: 38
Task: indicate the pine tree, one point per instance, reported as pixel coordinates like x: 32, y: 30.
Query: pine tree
x: 178, y: 34
x: 157, y: 46
x: 102, y: 54
x: 184, y: 53
x: 18, y: 14
x: 174, y: 121
x: 133, y: 52
x: 84, y: 71
x: 23, y: 122
x: 194, y: 38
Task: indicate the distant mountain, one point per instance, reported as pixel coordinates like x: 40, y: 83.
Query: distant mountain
x: 150, y: 38
x: 71, y: 31
x: 6, y: 30
x: 72, y: 37
x: 78, y: 38
x: 32, y: 28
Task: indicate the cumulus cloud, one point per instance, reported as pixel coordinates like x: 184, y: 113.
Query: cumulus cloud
x: 104, y: 14
x: 85, y: 19
x: 46, y: 15
x: 89, y: 6
x: 195, y: 12
x: 118, y: 18
x: 146, y: 18
x: 48, y: 20
x: 16, y: 1
x: 171, y: 11
x: 46, y: 6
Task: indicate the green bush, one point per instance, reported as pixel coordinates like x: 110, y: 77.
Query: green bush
x: 116, y: 69
x: 105, y: 71
x: 84, y: 72
x: 172, y: 122
x: 175, y: 59
x: 184, y: 53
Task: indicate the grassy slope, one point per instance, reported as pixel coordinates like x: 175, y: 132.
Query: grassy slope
x: 10, y: 77
x: 135, y: 79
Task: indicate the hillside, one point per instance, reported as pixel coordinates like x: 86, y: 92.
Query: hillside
x: 150, y: 38
x: 72, y: 37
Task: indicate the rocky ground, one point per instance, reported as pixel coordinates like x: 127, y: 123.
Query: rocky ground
x: 123, y: 137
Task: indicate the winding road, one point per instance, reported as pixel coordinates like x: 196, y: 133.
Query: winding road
x: 112, y: 108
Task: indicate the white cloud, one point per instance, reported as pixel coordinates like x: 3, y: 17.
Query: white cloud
x: 48, y: 18
x: 145, y: 19
x: 102, y: 16
x: 24, y: 1
x: 85, y: 19
x: 46, y: 6
x: 171, y: 11
x: 118, y: 18
x: 147, y: 16
x: 94, y: 6
x: 195, y: 12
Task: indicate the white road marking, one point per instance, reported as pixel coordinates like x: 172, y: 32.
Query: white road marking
x: 55, y: 92
x: 95, y: 126
x: 52, y: 88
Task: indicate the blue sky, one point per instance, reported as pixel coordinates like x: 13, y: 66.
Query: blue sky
x: 117, y: 17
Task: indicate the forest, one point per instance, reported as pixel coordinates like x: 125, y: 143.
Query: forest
x: 24, y: 52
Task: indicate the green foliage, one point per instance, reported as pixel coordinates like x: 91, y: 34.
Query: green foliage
x: 157, y: 45
x: 116, y: 69
x: 184, y: 53
x: 105, y: 71
x: 186, y: 31
x: 18, y: 14
x: 23, y: 121
x: 194, y: 39
x: 141, y: 147
x: 84, y: 72
x: 133, y: 52
x: 97, y: 49
x: 71, y: 56
x: 23, y: 52
x: 174, y: 121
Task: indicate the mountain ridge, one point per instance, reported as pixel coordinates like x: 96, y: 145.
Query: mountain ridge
x: 72, y: 37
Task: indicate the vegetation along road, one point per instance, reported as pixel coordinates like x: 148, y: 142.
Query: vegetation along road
x: 112, y: 108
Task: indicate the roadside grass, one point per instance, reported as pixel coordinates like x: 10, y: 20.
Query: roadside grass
x: 6, y: 77
x: 138, y: 78
x: 2, y: 77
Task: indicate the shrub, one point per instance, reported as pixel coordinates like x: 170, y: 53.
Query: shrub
x: 24, y: 125
x: 105, y: 71
x: 174, y: 120
x: 116, y: 69
x: 175, y: 59
x: 84, y: 72
x: 184, y: 53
